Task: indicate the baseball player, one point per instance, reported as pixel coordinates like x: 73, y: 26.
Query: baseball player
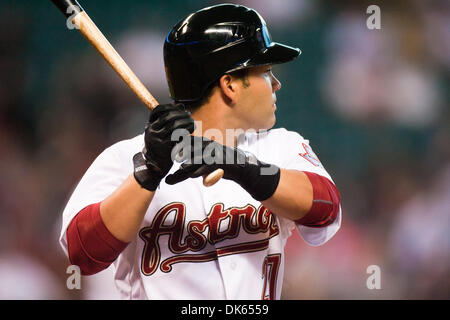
x: 165, y: 233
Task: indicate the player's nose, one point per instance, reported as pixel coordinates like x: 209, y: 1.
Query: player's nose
x: 276, y: 84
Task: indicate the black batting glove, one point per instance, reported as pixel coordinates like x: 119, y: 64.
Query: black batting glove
x: 154, y: 162
x: 203, y: 156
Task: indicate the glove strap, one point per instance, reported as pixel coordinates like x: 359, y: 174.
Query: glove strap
x: 145, y: 174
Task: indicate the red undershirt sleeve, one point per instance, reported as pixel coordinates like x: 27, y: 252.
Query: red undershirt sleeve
x: 326, y: 202
x: 90, y: 244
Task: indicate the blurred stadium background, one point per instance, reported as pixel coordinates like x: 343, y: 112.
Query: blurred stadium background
x: 373, y: 103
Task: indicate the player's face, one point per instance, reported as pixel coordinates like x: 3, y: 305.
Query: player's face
x: 257, y: 102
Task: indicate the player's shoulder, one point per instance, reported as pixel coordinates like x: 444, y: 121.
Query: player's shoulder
x: 134, y: 143
x: 276, y: 135
x: 124, y: 149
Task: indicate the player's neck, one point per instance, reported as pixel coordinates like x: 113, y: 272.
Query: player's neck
x: 214, y: 122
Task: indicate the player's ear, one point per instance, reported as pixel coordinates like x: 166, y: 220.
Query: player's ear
x: 229, y: 88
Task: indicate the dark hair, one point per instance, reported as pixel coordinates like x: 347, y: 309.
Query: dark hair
x: 241, y: 74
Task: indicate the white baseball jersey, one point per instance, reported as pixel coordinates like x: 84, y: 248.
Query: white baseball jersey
x: 199, y: 242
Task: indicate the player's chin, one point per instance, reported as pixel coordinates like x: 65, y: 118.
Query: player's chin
x: 273, y: 122
x: 270, y: 122
x: 273, y: 118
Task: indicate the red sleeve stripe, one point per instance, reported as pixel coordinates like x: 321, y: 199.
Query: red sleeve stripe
x: 90, y: 244
x: 326, y: 201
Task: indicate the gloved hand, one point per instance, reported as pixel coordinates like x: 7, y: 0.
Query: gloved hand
x: 154, y: 162
x: 203, y: 156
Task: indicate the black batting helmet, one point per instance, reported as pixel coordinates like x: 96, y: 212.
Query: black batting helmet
x: 214, y: 41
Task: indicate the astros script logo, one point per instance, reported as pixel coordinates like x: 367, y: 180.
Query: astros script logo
x: 252, y: 221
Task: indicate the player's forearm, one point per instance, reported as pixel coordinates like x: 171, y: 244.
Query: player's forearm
x: 293, y: 197
x: 123, y: 211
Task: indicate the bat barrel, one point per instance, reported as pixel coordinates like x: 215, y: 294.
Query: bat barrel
x: 64, y: 5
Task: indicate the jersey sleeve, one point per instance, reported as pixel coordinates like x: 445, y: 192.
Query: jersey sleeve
x: 297, y: 154
x: 104, y: 175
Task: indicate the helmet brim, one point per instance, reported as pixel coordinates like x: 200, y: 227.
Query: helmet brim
x: 276, y: 53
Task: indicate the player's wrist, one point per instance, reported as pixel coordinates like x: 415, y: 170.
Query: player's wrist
x: 147, y: 175
x: 260, y: 179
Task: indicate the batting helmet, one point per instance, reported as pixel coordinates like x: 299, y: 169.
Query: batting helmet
x: 214, y: 41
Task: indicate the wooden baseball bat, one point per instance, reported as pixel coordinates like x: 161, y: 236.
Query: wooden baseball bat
x: 72, y: 10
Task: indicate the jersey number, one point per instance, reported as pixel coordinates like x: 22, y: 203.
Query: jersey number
x: 270, y: 274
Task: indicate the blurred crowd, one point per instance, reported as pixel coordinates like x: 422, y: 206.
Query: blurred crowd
x: 373, y: 103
